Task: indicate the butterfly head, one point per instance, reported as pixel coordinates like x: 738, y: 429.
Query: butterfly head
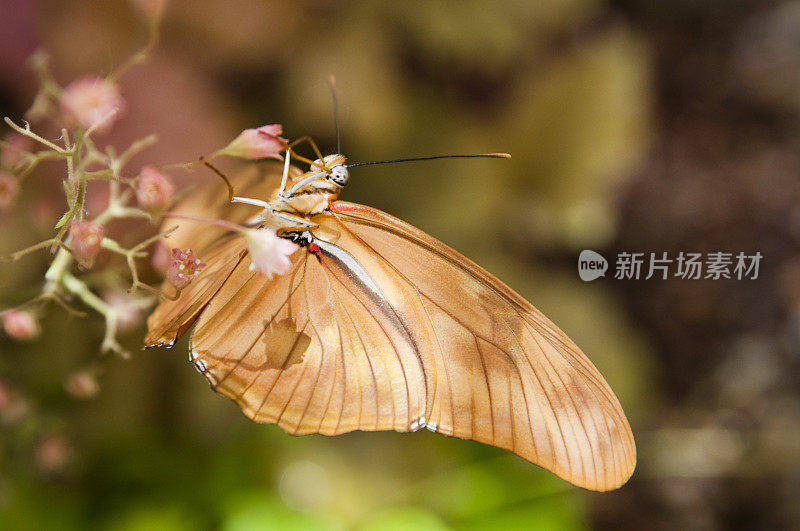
x: 331, y: 169
x: 340, y: 175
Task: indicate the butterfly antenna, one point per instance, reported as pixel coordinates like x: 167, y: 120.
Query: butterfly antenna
x: 332, y: 81
x: 413, y: 159
x: 222, y: 176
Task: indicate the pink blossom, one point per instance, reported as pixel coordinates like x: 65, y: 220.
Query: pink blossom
x: 9, y: 190
x: 82, y: 384
x: 13, y: 407
x: 13, y: 150
x: 90, y: 101
x: 20, y: 325
x: 269, y: 253
x: 52, y: 454
x: 154, y: 191
x: 183, y: 268
x: 87, y: 239
x: 262, y: 143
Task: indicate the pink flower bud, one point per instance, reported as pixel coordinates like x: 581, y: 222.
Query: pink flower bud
x: 13, y: 149
x: 183, y: 268
x: 20, y: 325
x: 154, y: 191
x: 13, y: 407
x: 262, y: 143
x: 52, y: 454
x: 87, y: 238
x: 9, y: 190
x: 90, y: 101
x: 81, y: 385
x: 269, y: 253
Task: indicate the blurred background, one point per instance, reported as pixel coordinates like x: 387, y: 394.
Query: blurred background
x: 634, y: 126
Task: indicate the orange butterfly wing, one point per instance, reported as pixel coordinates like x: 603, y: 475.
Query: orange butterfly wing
x: 499, y: 371
x: 387, y: 328
x: 171, y: 319
x: 308, y: 352
x: 216, y: 246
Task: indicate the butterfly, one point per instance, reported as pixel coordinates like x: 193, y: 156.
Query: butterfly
x: 379, y: 326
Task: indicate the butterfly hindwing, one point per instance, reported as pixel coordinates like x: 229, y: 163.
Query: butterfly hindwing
x: 312, y: 350
x: 502, y: 373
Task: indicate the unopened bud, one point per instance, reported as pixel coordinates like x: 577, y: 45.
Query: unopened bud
x: 154, y: 191
x: 20, y: 325
x: 81, y: 385
x: 87, y: 239
x: 13, y: 149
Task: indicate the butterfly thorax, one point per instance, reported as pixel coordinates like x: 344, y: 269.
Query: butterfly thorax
x: 307, y: 195
x: 310, y: 193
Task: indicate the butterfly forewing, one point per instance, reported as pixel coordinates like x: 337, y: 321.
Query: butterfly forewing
x: 172, y: 318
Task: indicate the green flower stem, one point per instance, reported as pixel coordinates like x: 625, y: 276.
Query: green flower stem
x: 58, y: 267
x: 30, y: 134
x: 81, y: 290
x: 132, y: 254
x: 22, y: 252
x: 58, y: 276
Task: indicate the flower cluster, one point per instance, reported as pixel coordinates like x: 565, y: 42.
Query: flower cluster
x: 108, y: 202
x: 86, y: 250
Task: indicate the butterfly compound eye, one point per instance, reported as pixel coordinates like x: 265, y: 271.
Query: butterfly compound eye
x: 340, y: 175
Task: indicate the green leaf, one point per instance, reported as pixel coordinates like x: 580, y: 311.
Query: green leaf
x: 64, y: 219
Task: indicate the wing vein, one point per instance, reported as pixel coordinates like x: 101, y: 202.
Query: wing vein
x: 283, y: 367
x: 574, y: 405
x: 391, y: 341
x: 253, y: 344
x: 374, y: 379
x: 488, y: 386
x: 544, y: 392
x: 288, y: 354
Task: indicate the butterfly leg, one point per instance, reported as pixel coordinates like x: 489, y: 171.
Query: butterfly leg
x: 285, y: 171
x: 311, y: 142
x: 259, y: 218
x: 291, y: 222
x: 317, y: 152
